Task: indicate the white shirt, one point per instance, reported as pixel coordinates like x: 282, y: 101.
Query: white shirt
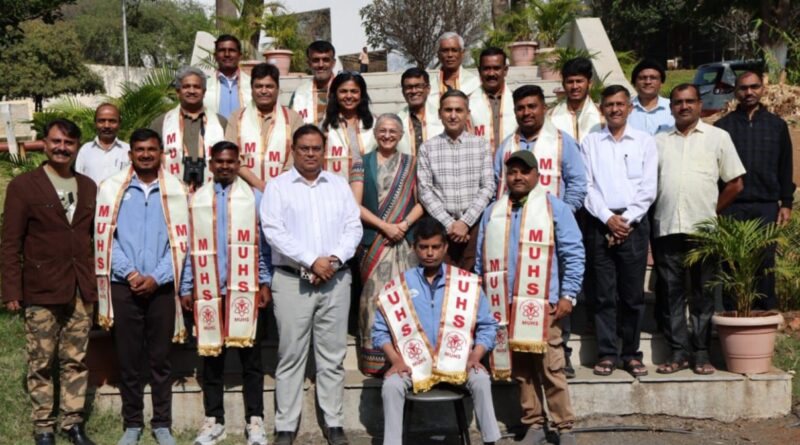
x: 303, y: 221
x: 99, y: 164
x: 620, y: 174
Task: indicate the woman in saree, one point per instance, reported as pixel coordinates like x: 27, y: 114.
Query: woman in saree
x: 384, y: 184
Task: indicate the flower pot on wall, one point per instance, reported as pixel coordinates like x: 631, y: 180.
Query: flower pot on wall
x: 748, y: 343
x: 546, y: 58
x: 522, y: 53
x: 281, y: 58
x: 247, y: 65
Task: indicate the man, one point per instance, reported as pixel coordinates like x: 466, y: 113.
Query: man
x: 578, y: 115
x: 105, y: 154
x: 650, y: 111
x: 430, y: 297
x: 263, y: 129
x: 224, y: 214
x: 141, y: 243
x: 230, y: 87
x: 363, y: 60
x: 492, y: 106
x: 455, y: 179
x: 189, y: 130
x: 451, y: 74
x: 47, y: 220
x: 622, y: 170
x: 565, y: 179
x: 310, y: 288
x: 310, y: 99
x: 765, y: 148
x: 419, y: 116
x: 692, y: 157
x: 537, y: 292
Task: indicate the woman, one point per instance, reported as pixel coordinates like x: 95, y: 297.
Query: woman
x: 384, y: 184
x: 347, y: 123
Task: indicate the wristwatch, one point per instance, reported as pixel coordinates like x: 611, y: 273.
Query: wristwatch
x: 571, y: 299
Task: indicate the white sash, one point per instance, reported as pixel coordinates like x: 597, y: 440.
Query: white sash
x: 495, y: 279
x: 431, y: 126
x: 175, y: 150
x: 266, y: 156
x: 482, y: 119
x: 466, y: 82
x: 462, y: 292
x: 339, y: 149
x: 588, y: 120
x: 176, y: 214
x: 548, y: 151
x: 211, y: 98
x: 304, y: 101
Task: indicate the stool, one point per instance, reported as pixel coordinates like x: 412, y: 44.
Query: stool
x: 438, y: 395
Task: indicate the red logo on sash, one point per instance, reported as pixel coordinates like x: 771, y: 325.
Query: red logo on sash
x: 241, y: 307
x: 530, y: 310
x: 208, y: 315
x: 502, y: 336
x: 413, y: 349
x: 455, y: 342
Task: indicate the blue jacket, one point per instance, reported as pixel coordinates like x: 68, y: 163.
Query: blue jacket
x: 428, y: 299
x: 568, y: 255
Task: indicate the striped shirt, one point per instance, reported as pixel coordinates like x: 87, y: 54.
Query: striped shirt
x: 303, y: 221
x: 455, y: 177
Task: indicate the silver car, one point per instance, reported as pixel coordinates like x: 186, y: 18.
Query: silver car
x: 716, y: 81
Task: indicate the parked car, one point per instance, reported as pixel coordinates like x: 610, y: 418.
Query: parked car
x: 716, y: 81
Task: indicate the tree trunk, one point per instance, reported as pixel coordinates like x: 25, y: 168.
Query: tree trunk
x: 771, y: 34
x: 499, y: 7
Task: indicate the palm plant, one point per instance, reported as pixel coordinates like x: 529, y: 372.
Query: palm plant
x: 246, y: 26
x: 555, y: 59
x: 553, y: 17
x: 737, y: 249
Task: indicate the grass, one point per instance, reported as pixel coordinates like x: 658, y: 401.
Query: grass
x: 676, y: 77
x: 787, y: 357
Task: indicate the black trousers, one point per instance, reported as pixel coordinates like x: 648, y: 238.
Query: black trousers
x: 616, y: 289
x: 143, y: 328
x: 672, y: 295
x: 252, y: 379
x: 767, y: 212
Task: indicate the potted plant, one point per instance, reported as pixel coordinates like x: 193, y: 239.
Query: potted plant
x: 286, y: 41
x: 551, y: 61
x: 552, y: 21
x: 246, y: 27
x: 737, y: 249
x: 516, y: 29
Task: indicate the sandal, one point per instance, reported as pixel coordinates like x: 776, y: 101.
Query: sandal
x: 704, y: 368
x: 672, y: 367
x: 604, y: 368
x: 636, y: 368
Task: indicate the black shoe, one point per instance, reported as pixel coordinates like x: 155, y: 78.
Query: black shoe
x: 45, y: 439
x: 336, y: 436
x: 77, y: 435
x: 569, y: 371
x: 284, y: 438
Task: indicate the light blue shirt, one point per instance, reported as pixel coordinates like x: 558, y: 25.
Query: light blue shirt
x: 568, y: 253
x: 658, y: 119
x: 228, y: 95
x: 572, y: 188
x: 264, y: 252
x: 141, y: 241
x: 428, y: 299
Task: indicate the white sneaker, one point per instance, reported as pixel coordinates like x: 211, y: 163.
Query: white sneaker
x: 254, y: 431
x: 210, y: 433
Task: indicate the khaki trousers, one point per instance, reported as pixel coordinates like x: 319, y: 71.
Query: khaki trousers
x: 542, y: 376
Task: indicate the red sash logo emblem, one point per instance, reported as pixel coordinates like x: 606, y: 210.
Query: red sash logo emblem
x: 502, y: 336
x: 208, y: 315
x: 241, y: 307
x: 530, y: 310
x: 413, y: 349
x: 455, y: 342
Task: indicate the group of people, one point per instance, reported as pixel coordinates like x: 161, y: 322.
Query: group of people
x: 465, y: 227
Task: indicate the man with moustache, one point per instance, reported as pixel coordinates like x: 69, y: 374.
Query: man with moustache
x: 227, y: 305
x: 312, y: 222
x: 263, y: 132
x: 650, y: 111
x: 565, y: 179
x: 230, y: 87
x: 765, y: 148
x: 456, y: 179
x: 106, y: 154
x: 310, y: 99
x: 577, y: 115
x: 189, y: 130
x: 492, y: 106
x: 47, y: 220
x: 692, y: 157
x: 622, y: 172
x: 452, y: 76
x: 141, y: 245
x: 419, y: 116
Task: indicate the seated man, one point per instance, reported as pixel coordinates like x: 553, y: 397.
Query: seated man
x: 427, y: 297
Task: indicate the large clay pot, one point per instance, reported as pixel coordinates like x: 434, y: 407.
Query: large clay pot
x: 545, y: 72
x: 748, y: 342
x: 247, y: 65
x: 281, y: 58
x: 522, y: 53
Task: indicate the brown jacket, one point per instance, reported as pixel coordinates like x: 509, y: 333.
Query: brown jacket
x: 42, y: 255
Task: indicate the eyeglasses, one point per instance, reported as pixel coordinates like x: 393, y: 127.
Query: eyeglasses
x: 415, y: 87
x: 309, y: 149
x: 651, y: 78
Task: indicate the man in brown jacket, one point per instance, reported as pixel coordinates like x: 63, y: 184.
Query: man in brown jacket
x: 46, y: 261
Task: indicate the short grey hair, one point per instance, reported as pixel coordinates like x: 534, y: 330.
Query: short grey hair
x: 450, y: 35
x: 388, y: 116
x: 187, y: 71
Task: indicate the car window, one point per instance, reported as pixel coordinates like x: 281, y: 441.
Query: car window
x: 707, y: 75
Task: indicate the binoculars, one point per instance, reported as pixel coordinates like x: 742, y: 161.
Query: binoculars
x: 193, y: 171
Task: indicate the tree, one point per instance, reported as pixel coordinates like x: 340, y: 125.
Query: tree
x: 16, y: 12
x: 412, y: 26
x: 46, y: 63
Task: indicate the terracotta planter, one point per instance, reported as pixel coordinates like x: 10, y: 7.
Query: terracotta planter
x: 281, y: 58
x: 522, y: 53
x: 748, y: 342
x: 247, y: 65
x: 545, y: 72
